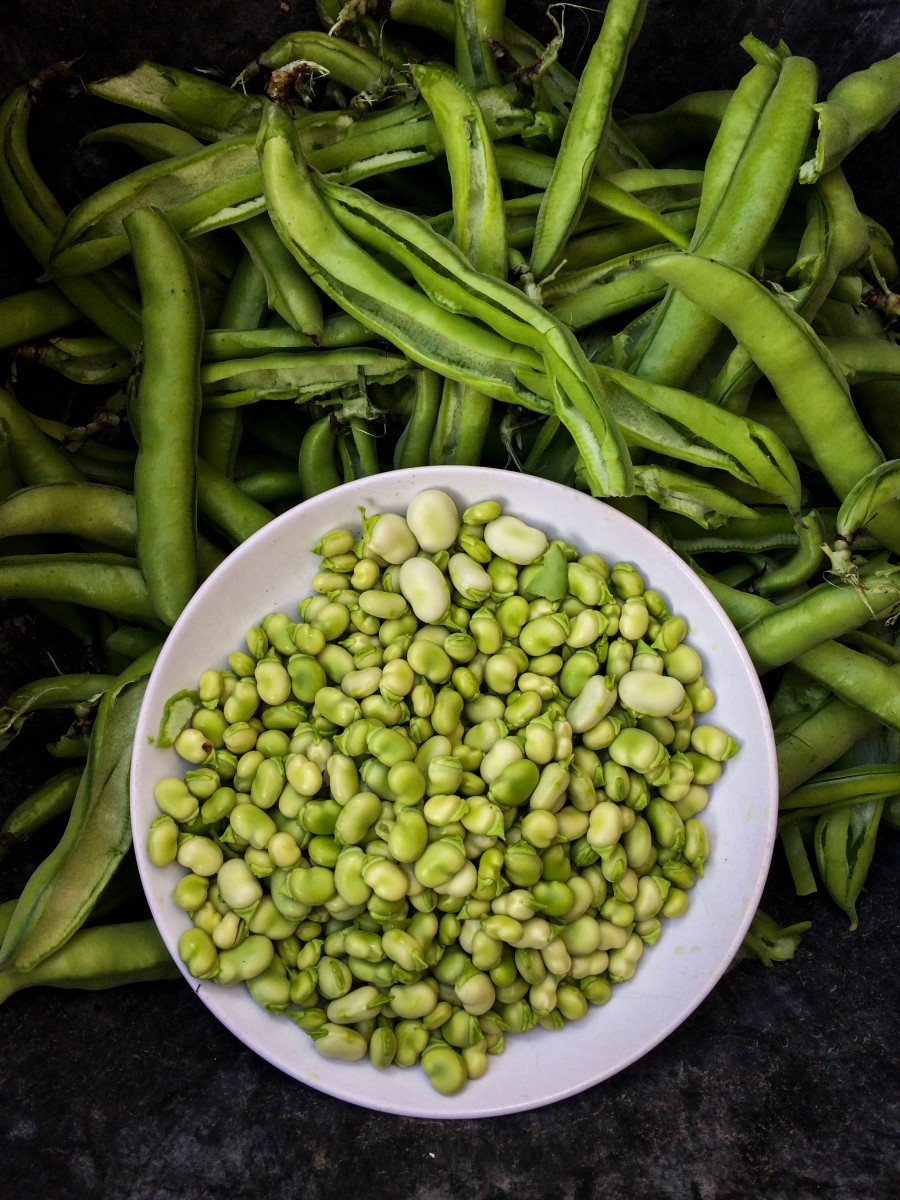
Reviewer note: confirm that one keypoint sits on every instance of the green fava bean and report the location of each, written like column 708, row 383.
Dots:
column 445, row 1068
column 311, row 885
column 356, row 818
column 336, row 707
column 388, row 881
column 390, row 746
column 514, row 784
column 273, row 683
column 271, row 988
column 199, row 854
column 440, row 861
column 173, row 797
column 307, row 676
column 649, row 694
column 250, row 824
column 638, row 750
column 238, row 887
column 348, row 876
column 339, row 1042
column 197, row 951
column 412, row 1038
column 268, row 783
column 606, row 825
column 245, row 961
column 713, row 742
column 597, row 697
column 191, row 892
column 448, row 707
column 382, row 1046
column 668, row 828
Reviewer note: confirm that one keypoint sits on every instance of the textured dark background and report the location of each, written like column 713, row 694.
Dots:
column 783, row 1084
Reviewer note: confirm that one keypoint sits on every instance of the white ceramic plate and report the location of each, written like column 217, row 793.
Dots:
column 272, row 572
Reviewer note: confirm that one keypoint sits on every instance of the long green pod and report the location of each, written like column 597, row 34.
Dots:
column 317, row 468
column 806, row 560
column 861, row 505
column 695, row 117
column 153, row 140
column 865, row 500
column 586, row 251
column 107, row 582
column 36, row 215
column 660, row 187
column 836, row 237
column 676, row 491
column 296, row 377
column 101, row 957
column 290, row 290
column 567, row 190
column 444, row 341
column 340, row 331
column 413, row 447
column 797, row 365
column 628, row 287
column 442, row 271
column 479, row 229
column 477, row 24
column 194, row 191
column 833, row 787
column 34, row 314
column 95, row 512
column 760, row 455
column 819, row 740
column 189, row 101
column 270, row 487
column 60, row 894
column 856, row 678
column 844, row 242
column 865, row 358
column 88, row 361
column 522, row 165
column 221, row 502
column 79, row 692
column 823, row 613
column 168, row 404
column 738, row 121
column 643, row 426
column 56, row 691
column 596, row 279
column 477, row 198
column 770, row 529
column 352, row 66
column 857, row 105
column 844, row 842
column 739, row 226
column 51, row 799
column 34, row 456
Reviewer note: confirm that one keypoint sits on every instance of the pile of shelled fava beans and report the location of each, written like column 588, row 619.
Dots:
column 454, row 800
column 414, row 237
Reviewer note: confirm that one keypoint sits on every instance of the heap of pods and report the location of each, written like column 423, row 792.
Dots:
column 454, row 800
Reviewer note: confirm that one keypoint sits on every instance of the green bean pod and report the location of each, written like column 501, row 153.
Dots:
column 567, row 190
column 62, row 891
column 793, row 358
column 169, row 405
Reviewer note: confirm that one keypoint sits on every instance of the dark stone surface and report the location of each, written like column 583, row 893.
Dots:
column 783, row 1084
